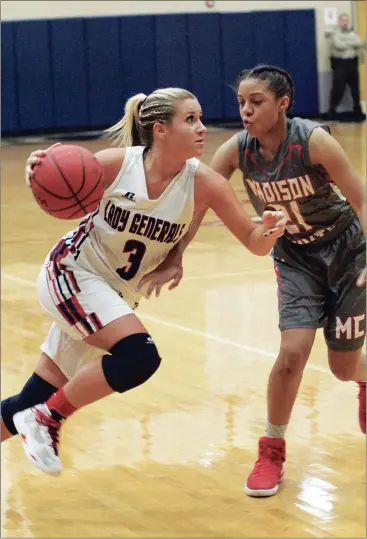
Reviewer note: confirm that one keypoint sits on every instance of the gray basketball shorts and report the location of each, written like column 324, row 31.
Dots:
column 317, row 287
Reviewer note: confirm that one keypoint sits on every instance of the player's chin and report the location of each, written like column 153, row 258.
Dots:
column 199, row 148
column 254, row 130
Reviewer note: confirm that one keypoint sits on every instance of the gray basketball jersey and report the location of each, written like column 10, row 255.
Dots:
column 304, row 192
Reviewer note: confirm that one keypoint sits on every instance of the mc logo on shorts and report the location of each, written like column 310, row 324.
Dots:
column 352, row 327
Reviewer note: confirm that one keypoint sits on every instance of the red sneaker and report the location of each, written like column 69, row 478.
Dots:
column 362, row 406
column 268, row 470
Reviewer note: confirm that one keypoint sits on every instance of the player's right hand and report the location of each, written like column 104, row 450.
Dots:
column 275, row 223
column 167, row 272
column 33, row 160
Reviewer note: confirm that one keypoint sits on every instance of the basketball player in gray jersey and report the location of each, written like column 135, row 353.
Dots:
column 315, row 209
column 296, row 165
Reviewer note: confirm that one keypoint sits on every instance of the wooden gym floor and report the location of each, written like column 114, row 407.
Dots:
column 170, row 458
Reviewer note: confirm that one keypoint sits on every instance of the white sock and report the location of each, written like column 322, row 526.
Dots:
column 275, row 431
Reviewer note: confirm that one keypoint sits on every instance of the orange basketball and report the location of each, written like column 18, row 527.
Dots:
column 67, row 183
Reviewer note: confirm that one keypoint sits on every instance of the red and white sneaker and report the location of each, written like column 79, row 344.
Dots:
column 362, row 406
column 40, row 435
column 269, row 468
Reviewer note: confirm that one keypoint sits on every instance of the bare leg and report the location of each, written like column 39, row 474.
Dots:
column 348, row 365
column 286, row 374
column 89, row 384
column 284, row 382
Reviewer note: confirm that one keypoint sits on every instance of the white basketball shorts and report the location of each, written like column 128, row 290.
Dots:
column 80, row 304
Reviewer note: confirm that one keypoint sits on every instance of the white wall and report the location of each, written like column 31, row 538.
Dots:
column 20, row 10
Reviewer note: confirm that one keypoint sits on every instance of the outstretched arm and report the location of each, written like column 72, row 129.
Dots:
column 212, row 190
column 225, row 162
column 216, row 193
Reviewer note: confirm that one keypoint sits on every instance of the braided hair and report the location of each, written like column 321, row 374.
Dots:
column 279, row 81
column 142, row 112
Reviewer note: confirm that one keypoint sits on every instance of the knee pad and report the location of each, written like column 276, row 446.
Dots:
column 35, row 391
column 132, row 362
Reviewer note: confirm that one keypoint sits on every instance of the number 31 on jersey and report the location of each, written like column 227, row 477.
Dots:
column 293, row 213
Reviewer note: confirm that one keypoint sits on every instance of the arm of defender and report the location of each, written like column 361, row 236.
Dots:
column 225, row 162
column 326, row 151
column 216, row 193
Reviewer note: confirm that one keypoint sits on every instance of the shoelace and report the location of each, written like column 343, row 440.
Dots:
column 274, row 454
column 53, row 428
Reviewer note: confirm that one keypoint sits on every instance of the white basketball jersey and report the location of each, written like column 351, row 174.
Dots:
column 128, row 235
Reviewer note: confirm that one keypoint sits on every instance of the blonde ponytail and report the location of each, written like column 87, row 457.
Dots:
column 125, row 132
column 142, row 112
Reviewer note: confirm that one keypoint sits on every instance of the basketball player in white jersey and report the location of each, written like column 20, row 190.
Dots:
column 154, row 186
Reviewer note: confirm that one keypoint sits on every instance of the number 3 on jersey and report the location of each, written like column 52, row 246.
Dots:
column 137, row 251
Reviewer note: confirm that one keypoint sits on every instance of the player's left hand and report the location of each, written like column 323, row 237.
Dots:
column 167, row 272
column 274, row 223
column 361, row 281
